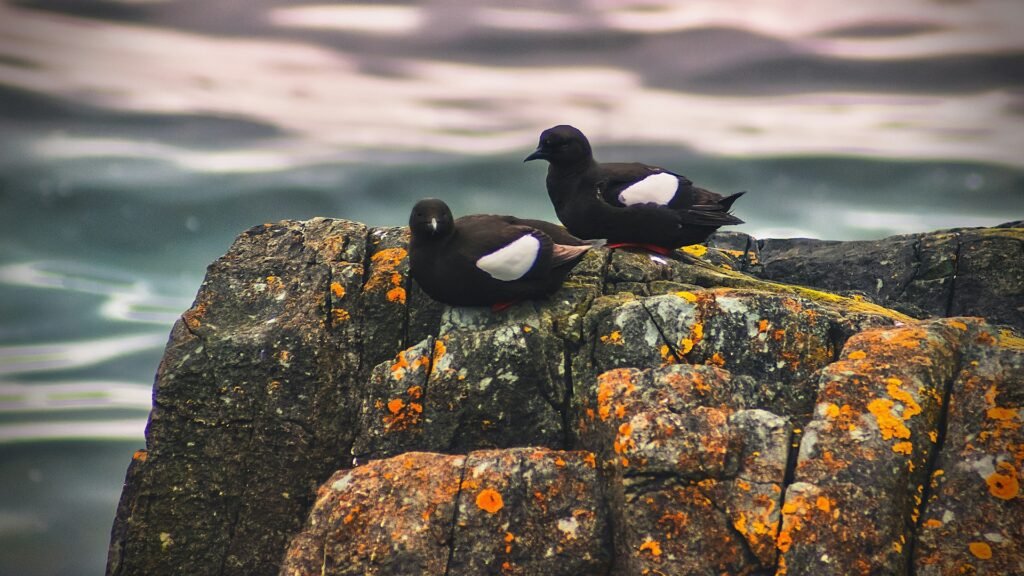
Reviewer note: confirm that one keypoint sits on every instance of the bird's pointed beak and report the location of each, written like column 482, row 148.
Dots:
column 537, row 154
column 433, row 224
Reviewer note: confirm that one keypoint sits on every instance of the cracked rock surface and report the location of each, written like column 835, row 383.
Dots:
column 316, row 413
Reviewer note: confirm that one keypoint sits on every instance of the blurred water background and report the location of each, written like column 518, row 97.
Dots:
column 138, row 137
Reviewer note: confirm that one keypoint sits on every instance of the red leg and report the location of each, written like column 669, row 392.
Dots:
column 502, row 306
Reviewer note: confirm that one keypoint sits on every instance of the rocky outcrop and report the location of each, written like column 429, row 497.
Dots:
column 315, row 413
column 960, row 272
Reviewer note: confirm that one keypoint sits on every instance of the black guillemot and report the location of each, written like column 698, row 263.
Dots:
column 629, row 204
column 483, row 259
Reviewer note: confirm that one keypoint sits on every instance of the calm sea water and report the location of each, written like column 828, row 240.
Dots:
column 138, row 137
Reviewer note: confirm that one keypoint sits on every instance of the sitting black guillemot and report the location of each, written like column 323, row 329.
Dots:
column 629, row 204
column 484, row 259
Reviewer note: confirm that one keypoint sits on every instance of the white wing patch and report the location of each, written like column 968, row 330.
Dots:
column 657, row 188
column 512, row 261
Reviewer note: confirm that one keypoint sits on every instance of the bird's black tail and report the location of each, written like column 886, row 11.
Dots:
column 726, row 203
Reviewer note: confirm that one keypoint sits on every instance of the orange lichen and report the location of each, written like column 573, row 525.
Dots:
column 831, row 410
column 999, row 413
column 857, row 355
column 623, row 441
column 980, row 550
column 717, row 359
column 439, row 350
column 400, row 365
column 615, row 338
column 340, row 315
column 337, row 290
column 784, row 541
column 274, row 284
column 958, row 325
column 351, row 515
column 607, row 384
column 890, row 425
column 932, row 523
column 389, row 256
column 782, row 569
column 667, row 357
column 990, row 395
column 397, row 294
column 762, row 326
column 395, row 406
column 509, row 537
column 903, row 448
column 383, row 267
column 688, row 296
column 1003, row 484
column 685, row 345
column 823, row 504
column 590, row 460
column 697, row 250
column 651, row 546
column 559, row 462
column 911, row 407
column 140, row 455
column 740, row 524
column 193, row 318
column 489, row 501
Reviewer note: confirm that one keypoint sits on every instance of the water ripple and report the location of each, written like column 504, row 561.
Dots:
column 123, row 429
column 45, row 357
column 127, row 298
column 72, row 395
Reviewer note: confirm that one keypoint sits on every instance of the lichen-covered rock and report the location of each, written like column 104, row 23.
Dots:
column 961, row 272
column 779, row 340
column 391, row 419
column 530, row 511
column 518, row 511
column 862, row 460
column 688, row 384
column 695, row 479
column 972, row 523
column 253, row 399
column 390, row 517
column 496, row 387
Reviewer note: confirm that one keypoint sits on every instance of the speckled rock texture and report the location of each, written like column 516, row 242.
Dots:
column 958, row 272
column 316, row 413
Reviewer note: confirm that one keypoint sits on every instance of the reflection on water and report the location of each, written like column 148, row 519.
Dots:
column 139, row 137
column 61, row 356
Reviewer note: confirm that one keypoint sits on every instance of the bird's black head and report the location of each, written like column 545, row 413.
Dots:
column 562, row 145
column 431, row 218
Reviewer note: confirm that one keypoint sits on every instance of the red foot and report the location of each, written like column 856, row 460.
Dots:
column 501, row 306
column 649, row 247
